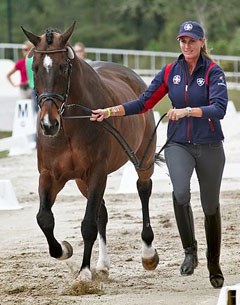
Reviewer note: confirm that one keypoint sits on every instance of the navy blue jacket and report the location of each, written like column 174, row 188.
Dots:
column 204, row 89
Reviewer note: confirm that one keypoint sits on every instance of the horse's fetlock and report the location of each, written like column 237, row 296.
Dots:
column 147, row 235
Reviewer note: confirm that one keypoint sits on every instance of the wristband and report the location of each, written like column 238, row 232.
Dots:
column 189, row 111
column 108, row 113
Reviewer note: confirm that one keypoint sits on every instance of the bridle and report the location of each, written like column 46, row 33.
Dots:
column 53, row 97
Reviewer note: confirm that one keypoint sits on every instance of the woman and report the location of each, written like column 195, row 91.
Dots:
column 198, row 92
column 80, row 51
column 25, row 91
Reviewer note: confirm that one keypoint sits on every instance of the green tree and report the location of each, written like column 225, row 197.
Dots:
column 135, row 24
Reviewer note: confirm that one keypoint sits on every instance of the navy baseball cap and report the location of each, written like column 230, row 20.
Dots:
column 191, row 29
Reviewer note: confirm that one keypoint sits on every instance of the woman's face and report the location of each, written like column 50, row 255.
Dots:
column 191, row 47
column 25, row 49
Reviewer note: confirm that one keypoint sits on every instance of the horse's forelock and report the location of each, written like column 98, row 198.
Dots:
column 50, row 33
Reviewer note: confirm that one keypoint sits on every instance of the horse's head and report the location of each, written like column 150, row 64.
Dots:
column 52, row 63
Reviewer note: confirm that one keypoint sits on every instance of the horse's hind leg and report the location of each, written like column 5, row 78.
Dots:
column 150, row 257
column 103, row 259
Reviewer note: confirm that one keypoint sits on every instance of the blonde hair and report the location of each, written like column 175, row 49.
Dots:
column 28, row 44
column 80, row 45
column 205, row 51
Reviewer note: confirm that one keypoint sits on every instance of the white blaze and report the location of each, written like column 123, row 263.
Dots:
column 47, row 62
column 46, row 120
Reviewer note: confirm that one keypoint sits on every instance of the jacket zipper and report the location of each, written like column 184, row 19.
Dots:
column 188, row 119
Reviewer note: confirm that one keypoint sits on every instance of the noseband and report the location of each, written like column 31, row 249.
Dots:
column 53, row 97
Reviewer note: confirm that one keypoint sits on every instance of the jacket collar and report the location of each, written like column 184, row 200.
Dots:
column 201, row 60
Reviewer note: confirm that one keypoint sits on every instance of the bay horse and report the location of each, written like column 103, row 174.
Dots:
column 82, row 150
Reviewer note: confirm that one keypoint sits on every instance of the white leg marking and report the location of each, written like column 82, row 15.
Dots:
column 85, row 275
column 47, row 63
column 147, row 252
column 103, row 259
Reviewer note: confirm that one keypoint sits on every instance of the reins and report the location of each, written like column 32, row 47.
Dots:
column 65, row 117
column 111, row 129
column 169, row 139
column 121, row 140
column 126, row 147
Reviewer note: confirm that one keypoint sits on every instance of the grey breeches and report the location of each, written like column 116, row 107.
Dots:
column 208, row 160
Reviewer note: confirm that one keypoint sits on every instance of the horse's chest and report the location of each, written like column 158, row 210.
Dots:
column 67, row 165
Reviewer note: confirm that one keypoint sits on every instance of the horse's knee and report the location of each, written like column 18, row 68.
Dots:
column 144, row 187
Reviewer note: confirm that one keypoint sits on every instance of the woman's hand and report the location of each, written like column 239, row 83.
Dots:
column 100, row 114
column 176, row 114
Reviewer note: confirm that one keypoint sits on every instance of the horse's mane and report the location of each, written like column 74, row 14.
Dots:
column 49, row 34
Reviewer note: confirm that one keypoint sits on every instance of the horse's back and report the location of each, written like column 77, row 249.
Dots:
column 110, row 71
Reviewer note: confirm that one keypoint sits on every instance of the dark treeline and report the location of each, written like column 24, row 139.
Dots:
column 135, row 24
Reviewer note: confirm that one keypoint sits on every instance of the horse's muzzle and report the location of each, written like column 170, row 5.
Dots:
column 50, row 128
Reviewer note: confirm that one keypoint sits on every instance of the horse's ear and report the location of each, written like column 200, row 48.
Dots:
column 32, row 37
column 70, row 52
column 67, row 34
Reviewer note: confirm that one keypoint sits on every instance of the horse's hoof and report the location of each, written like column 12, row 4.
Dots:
column 67, row 250
column 150, row 263
column 85, row 275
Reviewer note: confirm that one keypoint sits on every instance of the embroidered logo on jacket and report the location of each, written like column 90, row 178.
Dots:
column 200, row 82
column 222, row 81
column 176, row 79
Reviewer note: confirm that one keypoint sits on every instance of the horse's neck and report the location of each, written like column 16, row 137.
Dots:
column 85, row 84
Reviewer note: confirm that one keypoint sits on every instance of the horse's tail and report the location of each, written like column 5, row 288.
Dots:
column 159, row 159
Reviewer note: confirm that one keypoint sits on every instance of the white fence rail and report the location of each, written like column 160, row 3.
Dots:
column 145, row 63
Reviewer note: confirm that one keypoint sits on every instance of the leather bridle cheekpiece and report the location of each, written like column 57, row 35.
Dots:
column 53, row 97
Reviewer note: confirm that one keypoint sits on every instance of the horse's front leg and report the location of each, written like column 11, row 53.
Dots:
column 48, row 190
column 150, row 258
column 89, row 227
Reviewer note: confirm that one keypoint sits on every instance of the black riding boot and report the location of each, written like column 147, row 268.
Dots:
column 184, row 218
column 213, row 235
